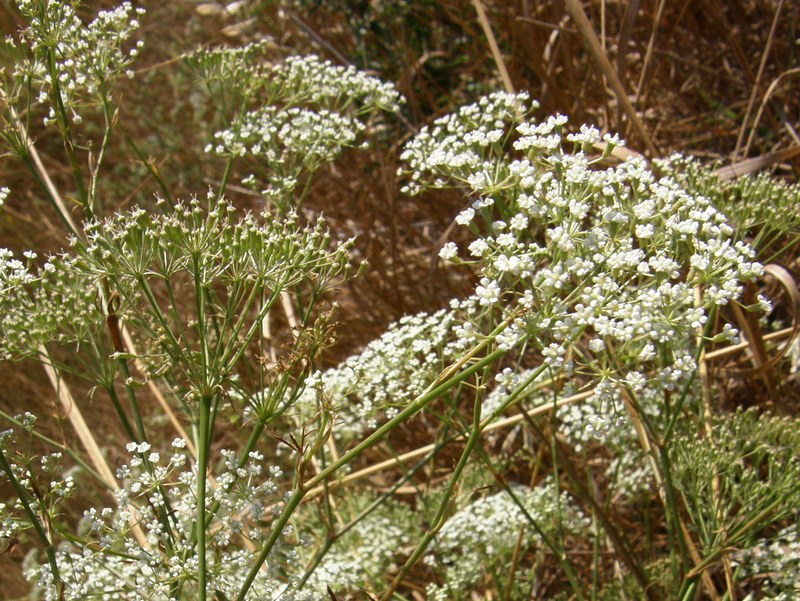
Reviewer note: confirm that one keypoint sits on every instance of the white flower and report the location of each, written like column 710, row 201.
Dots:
column 466, row 216
column 478, row 248
column 448, row 251
column 488, row 292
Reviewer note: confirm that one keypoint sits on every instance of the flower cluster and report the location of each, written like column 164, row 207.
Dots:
column 389, row 373
column 51, row 304
column 483, row 534
column 144, row 547
column 777, row 561
column 362, row 554
column 755, row 202
column 74, row 60
column 158, row 497
column 307, row 110
column 606, row 261
column 154, row 262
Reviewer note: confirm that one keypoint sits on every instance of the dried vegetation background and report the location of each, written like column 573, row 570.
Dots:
column 709, row 78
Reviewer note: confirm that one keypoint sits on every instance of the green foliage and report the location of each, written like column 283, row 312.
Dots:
column 740, row 479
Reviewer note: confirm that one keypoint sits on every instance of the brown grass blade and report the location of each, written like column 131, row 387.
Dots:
column 641, row 91
column 764, row 365
column 73, row 413
column 759, row 74
column 498, row 58
column 756, row 163
column 593, row 44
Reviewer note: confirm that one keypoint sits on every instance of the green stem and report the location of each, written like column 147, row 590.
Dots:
column 620, row 542
column 66, row 131
column 162, row 320
column 688, row 386
column 559, row 552
column 200, row 308
column 112, row 393
column 436, row 390
column 369, row 509
column 151, row 167
column 109, row 126
column 22, row 495
column 225, row 177
column 673, row 512
column 202, row 465
column 443, row 513
column 134, row 403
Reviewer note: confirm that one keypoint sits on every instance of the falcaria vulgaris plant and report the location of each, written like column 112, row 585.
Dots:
column 598, row 289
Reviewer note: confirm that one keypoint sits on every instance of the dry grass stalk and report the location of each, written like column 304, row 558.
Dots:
column 767, row 95
column 73, row 413
column 641, row 91
column 750, row 328
column 593, row 44
column 498, row 58
column 759, row 75
column 758, row 163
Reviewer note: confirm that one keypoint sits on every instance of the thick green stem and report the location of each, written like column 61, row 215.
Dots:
column 225, row 177
column 134, row 403
column 109, row 126
column 112, row 393
column 202, row 465
column 673, row 511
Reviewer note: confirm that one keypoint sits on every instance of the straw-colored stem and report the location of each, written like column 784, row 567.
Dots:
column 88, row 441
column 595, row 49
column 761, row 66
column 490, row 37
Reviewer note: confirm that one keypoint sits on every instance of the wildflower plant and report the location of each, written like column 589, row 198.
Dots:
column 181, row 290
column 306, row 112
column 602, row 262
column 607, row 275
column 594, row 279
